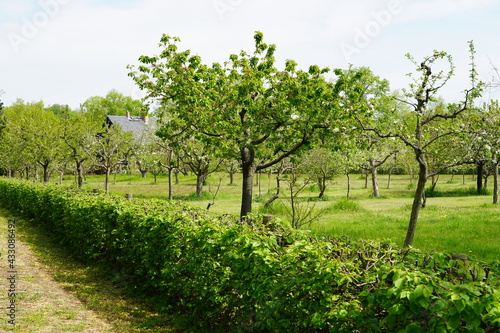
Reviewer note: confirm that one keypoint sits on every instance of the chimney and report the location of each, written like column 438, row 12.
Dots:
column 146, row 119
column 128, row 115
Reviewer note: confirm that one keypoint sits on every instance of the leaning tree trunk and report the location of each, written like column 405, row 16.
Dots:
column 417, row 201
column 277, row 194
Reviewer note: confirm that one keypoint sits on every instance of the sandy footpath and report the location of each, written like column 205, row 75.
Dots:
column 30, row 300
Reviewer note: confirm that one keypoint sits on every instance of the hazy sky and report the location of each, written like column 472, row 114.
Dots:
column 65, row 51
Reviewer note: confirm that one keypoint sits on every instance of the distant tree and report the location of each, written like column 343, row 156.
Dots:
column 483, row 142
column 38, row 132
column 232, row 167
column 107, row 150
column 256, row 112
column 319, row 165
column 377, row 151
column 79, row 131
column 199, row 157
column 114, row 103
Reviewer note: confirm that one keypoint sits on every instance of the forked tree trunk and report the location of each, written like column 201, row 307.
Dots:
column 46, row 172
column 417, row 201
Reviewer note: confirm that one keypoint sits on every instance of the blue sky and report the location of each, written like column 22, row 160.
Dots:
column 65, row 51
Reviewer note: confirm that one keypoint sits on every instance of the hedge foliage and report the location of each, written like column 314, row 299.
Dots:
column 221, row 275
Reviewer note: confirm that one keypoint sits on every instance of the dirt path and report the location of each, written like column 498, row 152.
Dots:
column 40, row 303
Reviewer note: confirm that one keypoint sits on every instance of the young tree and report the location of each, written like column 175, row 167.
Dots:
column 78, row 131
column 320, row 165
column 254, row 111
column 108, row 149
column 198, row 156
column 424, row 127
column 483, row 142
column 232, row 167
column 376, row 151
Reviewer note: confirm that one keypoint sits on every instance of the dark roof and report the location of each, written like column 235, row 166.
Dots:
column 136, row 125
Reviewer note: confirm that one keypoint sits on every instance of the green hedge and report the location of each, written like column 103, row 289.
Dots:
column 220, row 275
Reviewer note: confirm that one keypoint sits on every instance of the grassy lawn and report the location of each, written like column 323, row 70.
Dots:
column 467, row 224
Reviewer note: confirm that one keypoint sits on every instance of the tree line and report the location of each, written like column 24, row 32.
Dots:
column 249, row 115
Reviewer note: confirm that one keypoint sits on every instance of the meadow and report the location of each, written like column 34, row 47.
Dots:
column 454, row 219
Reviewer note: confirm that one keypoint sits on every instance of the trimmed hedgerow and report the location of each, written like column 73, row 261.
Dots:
column 218, row 274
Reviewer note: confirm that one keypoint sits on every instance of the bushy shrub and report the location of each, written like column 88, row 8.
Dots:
column 348, row 205
column 221, row 275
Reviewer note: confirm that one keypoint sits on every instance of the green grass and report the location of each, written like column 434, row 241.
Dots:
column 456, row 219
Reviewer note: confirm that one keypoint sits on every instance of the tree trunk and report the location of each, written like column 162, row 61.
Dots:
column 106, row 181
column 277, row 194
column 495, row 184
column 389, row 179
column 200, row 180
column 143, row 173
column 376, row 192
column 170, row 196
column 417, row 201
column 46, row 173
column 348, row 185
column 322, row 186
column 79, row 171
column 61, row 175
column 247, row 158
column 231, row 178
column 434, row 182
column 366, row 180
column 479, row 178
